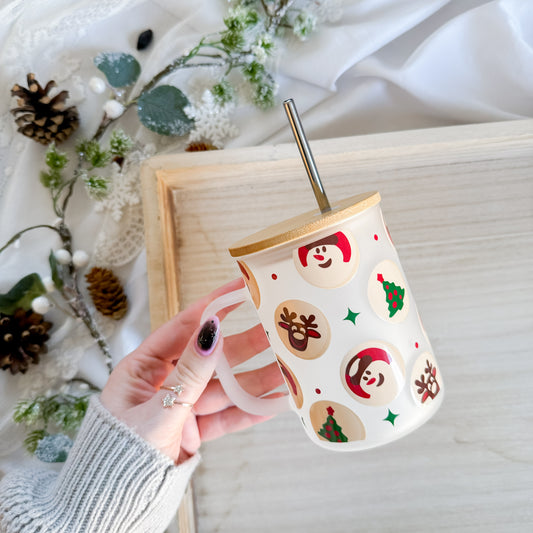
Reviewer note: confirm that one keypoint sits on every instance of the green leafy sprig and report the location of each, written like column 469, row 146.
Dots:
column 247, row 40
column 251, row 33
column 92, row 156
column 64, row 412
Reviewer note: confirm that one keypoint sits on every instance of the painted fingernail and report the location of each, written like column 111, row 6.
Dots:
column 208, row 336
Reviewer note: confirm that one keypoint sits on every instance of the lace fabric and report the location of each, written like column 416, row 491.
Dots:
column 32, row 28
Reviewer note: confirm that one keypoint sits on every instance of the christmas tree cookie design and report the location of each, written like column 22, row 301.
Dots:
column 387, row 292
column 336, row 423
column 331, row 430
column 394, row 295
column 328, row 262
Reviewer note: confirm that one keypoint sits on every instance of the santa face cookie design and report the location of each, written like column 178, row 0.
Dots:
column 328, row 262
column 373, row 373
column 303, row 329
column 251, row 283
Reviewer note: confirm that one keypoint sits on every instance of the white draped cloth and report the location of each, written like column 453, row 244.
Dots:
column 383, row 65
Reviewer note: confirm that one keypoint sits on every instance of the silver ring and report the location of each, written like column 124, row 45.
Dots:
column 176, row 389
column 169, row 400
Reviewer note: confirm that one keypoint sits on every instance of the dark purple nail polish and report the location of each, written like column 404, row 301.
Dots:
column 208, row 336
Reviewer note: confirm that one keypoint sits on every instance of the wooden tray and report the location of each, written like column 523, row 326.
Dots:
column 449, row 194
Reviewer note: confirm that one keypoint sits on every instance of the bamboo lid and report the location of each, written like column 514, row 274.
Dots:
column 304, row 225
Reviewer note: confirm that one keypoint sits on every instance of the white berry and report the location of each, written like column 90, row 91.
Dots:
column 41, row 305
column 63, row 256
column 97, row 85
column 48, row 283
column 80, row 258
column 113, row 109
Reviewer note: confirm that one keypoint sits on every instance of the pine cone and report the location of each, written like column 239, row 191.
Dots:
column 200, row 147
column 22, row 340
column 40, row 117
column 107, row 293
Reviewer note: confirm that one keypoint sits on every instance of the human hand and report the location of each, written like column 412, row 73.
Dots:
column 183, row 352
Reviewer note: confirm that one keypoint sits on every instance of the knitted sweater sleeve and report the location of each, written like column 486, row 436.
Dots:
column 112, row 481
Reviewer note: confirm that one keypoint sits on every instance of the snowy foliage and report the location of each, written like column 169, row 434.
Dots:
column 212, row 120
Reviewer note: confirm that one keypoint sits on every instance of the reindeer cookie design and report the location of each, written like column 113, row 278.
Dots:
column 302, row 328
column 328, row 262
column 425, row 378
column 251, row 283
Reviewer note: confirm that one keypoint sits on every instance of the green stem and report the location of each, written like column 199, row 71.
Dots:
column 76, row 302
column 70, row 189
column 104, row 123
column 60, row 212
column 175, row 65
column 85, row 382
column 20, row 233
column 279, row 13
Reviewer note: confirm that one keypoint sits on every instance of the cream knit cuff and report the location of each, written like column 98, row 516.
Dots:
column 113, row 482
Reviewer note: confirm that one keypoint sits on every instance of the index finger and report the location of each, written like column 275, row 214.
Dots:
column 169, row 340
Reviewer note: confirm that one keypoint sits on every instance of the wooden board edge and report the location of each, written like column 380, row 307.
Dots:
column 154, row 245
column 467, row 134
column 170, row 249
column 163, row 304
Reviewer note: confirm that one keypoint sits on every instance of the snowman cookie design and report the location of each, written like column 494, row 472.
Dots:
column 328, row 262
column 373, row 373
column 303, row 329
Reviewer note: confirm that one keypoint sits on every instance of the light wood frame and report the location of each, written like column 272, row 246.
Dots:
column 163, row 175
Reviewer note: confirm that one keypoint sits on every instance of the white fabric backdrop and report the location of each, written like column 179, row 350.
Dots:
column 384, row 65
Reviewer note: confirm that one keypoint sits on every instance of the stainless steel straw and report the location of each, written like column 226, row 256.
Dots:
column 307, row 156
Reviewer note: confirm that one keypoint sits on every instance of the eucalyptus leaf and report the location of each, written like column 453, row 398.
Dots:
column 54, row 268
column 162, row 110
column 22, row 294
column 119, row 68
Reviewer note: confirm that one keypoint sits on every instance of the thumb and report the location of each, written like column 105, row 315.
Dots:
column 167, row 411
column 197, row 363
